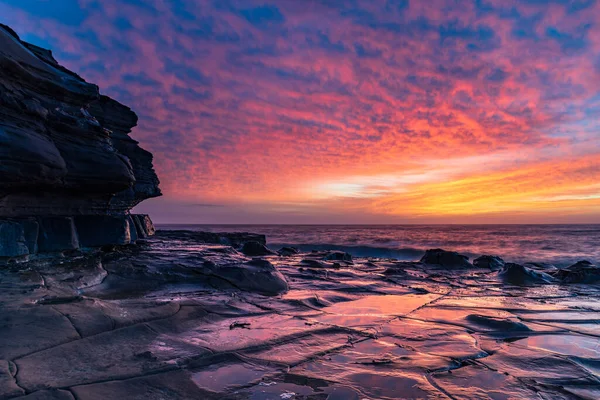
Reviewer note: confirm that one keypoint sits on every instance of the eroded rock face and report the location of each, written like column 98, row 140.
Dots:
column 68, row 169
column 64, row 147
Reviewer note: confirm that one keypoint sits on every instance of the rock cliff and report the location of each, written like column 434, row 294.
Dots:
column 69, row 172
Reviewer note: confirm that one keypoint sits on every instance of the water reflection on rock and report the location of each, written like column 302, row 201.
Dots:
column 177, row 318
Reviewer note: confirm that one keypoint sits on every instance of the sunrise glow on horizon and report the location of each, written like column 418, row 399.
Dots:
column 474, row 111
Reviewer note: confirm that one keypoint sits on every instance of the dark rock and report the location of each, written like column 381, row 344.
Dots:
column 236, row 324
column 31, row 233
column 10, row 31
column 494, row 263
column 339, row 256
column 544, row 267
column 288, row 251
column 32, row 330
column 394, row 271
column 450, row 259
column 255, row 249
column 120, row 119
column 519, row 275
column 64, row 150
column 497, row 324
column 312, row 263
column 581, row 264
column 8, row 386
column 55, row 155
column 147, row 224
column 51, row 394
column 143, row 225
column 57, row 234
column 233, row 239
column 133, row 235
column 58, row 300
column 12, row 240
column 258, row 276
column 103, row 230
column 580, row 272
column 174, row 385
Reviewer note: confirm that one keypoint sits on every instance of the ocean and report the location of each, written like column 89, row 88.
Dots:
column 560, row 245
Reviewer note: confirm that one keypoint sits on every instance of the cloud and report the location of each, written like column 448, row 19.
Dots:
column 253, row 101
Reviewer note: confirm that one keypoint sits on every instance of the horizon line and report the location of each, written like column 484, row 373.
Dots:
column 374, row 224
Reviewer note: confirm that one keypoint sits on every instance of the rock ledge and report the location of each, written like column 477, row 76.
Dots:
column 69, row 172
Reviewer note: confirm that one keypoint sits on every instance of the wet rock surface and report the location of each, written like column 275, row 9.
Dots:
column 180, row 318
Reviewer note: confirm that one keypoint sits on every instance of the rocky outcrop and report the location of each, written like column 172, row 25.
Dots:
column 233, row 239
column 21, row 238
column 69, row 172
column 448, row 259
column 257, row 275
column 255, row 249
column 580, row 272
column 288, row 251
column 493, row 263
column 339, row 256
column 516, row 274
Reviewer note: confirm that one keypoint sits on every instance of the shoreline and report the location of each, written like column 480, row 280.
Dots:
column 559, row 245
column 222, row 316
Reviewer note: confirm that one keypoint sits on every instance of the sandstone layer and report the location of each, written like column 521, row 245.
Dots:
column 69, row 172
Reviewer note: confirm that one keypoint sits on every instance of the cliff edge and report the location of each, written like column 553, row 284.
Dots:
column 69, row 172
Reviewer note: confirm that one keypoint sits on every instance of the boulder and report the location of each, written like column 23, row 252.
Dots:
column 255, row 249
column 516, row 274
column 448, row 259
column 257, row 275
column 339, row 256
column 288, row 251
column 580, row 272
column 493, row 263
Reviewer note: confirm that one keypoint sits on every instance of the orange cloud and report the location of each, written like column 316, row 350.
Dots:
column 403, row 109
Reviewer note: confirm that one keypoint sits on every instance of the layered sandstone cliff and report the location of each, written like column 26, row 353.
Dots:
column 69, row 172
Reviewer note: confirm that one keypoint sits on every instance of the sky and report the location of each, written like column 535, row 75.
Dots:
column 347, row 111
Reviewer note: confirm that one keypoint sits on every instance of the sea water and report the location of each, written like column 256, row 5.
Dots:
column 560, row 245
